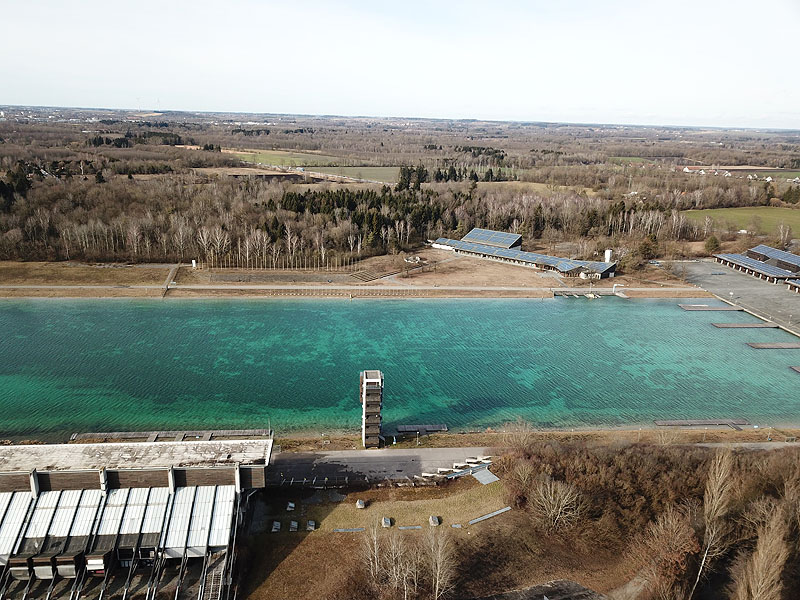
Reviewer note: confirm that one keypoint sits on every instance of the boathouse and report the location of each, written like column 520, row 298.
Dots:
column 504, row 247
column 764, row 262
column 122, row 509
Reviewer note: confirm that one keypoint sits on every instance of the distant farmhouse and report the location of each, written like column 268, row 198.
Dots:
column 505, row 247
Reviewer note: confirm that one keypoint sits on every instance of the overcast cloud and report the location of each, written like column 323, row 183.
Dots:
column 699, row 62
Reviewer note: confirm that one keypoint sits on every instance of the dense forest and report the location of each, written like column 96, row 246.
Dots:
column 119, row 188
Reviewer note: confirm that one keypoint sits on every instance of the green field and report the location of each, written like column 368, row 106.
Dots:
column 383, row 174
column 744, row 218
column 545, row 189
column 778, row 176
column 285, row 158
column 628, row 159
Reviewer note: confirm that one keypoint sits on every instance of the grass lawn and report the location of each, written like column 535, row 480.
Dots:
column 627, row 159
column 459, row 502
column 285, row 158
column 778, row 176
column 384, row 174
column 769, row 217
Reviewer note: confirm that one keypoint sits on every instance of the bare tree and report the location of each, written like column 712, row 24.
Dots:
column 757, row 576
column 395, row 561
column 518, row 435
column 716, row 505
column 784, row 234
column 371, row 552
column 555, row 504
column 664, row 551
column 441, row 562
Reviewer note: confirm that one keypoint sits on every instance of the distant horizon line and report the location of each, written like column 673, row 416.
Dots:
column 409, row 118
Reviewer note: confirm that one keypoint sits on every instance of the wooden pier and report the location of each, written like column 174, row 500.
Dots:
column 745, row 325
column 736, row 424
column 692, row 307
column 172, row 436
column 775, row 345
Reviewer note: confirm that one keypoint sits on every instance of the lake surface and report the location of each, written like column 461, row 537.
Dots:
column 109, row 365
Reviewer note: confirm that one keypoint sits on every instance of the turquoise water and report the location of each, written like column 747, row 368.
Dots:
column 106, row 365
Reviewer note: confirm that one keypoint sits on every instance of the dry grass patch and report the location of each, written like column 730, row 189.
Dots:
column 65, row 273
column 466, row 500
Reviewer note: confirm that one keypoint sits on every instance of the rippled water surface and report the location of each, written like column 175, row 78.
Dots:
column 107, row 365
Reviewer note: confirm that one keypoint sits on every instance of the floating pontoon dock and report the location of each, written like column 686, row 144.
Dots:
column 746, row 325
column 707, row 307
column 775, row 345
column 421, row 428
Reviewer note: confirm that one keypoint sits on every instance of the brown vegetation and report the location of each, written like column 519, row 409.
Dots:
column 77, row 189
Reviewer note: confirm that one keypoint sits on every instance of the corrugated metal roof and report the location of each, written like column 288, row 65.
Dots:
column 490, row 237
column 86, row 513
column 113, row 511
column 134, row 511
column 5, row 500
column 769, row 251
column 13, row 521
column 179, row 520
column 755, row 265
column 42, row 515
column 201, row 517
column 62, row 520
column 156, row 507
column 563, row 265
column 223, row 514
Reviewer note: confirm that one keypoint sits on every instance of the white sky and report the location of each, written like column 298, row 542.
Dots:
column 679, row 62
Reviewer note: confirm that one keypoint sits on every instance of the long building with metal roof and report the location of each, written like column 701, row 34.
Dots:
column 87, row 515
column 564, row 266
column 82, row 533
column 497, row 239
column 755, row 267
column 779, row 258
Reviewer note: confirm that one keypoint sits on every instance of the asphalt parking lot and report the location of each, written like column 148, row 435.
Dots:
column 769, row 300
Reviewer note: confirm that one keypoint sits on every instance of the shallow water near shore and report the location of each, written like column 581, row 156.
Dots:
column 127, row 365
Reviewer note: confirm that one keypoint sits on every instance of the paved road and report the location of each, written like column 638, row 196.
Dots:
column 771, row 301
column 374, row 465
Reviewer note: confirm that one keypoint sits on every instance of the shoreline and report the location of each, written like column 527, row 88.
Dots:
column 646, row 431
column 354, row 293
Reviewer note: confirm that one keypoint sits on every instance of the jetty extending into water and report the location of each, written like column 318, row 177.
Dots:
column 775, row 345
column 693, row 307
column 746, row 325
